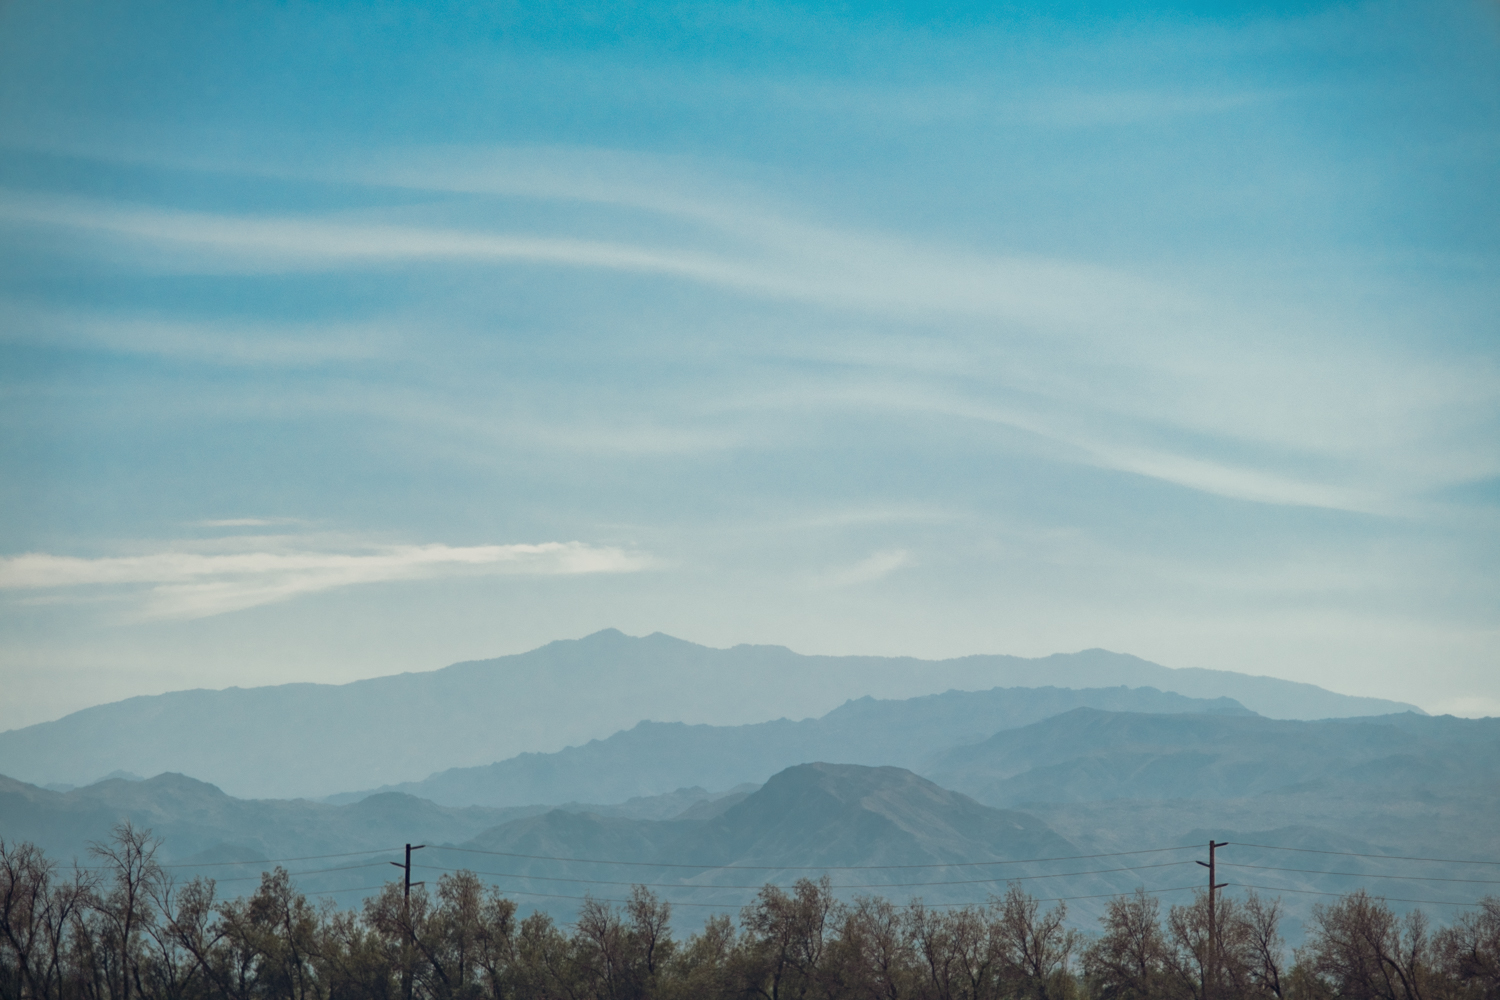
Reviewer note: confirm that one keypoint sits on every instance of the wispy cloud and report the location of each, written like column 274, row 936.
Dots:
column 789, row 261
column 220, row 342
column 1108, row 368
column 874, row 567
column 188, row 584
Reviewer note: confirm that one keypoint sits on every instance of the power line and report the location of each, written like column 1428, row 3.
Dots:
column 930, row 906
column 654, row 864
column 1351, row 854
column 277, row 861
column 812, row 868
column 1388, row 899
column 854, row 885
column 363, row 888
column 1055, row 899
column 1404, row 878
column 966, row 864
column 258, row 861
column 315, row 871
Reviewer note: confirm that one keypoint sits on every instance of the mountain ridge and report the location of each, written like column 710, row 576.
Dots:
column 1086, row 755
column 1392, row 788
column 312, row 739
column 653, row 757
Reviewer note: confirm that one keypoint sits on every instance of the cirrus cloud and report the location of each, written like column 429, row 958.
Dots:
column 187, row 584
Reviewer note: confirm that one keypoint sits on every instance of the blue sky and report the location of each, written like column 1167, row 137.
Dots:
column 347, row 339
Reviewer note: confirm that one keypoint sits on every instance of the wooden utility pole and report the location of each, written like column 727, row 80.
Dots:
column 406, row 975
column 1211, row 960
column 407, row 867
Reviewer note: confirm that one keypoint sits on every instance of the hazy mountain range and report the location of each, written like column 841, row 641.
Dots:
column 315, row 739
column 1087, row 755
column 1347, row 797
column 804, row 820
column 1070, row 758
column 655, row 757
column 720, row 849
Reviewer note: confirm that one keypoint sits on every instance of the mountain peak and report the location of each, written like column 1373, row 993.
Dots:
column 810, row 815
column 832, row 813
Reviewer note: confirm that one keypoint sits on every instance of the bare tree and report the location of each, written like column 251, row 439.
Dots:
column 872, row 957
column 1128, row 962
column 1034, row 945
column 123, row 903
column 1361, row 950
column 786, row 937
column 1264, row 946
column 36, row 910
column 1469, row 951
column 957, row 952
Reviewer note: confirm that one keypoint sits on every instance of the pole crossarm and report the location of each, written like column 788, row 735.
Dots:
column 406, row 882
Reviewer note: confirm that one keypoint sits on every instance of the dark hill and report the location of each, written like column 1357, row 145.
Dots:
column 842, row 814
column 837, row 816
column 194, row 817
column 199, row 823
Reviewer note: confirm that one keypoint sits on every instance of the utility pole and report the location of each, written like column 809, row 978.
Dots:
column 1211, row 961
column 406, row 974
column 407, row 868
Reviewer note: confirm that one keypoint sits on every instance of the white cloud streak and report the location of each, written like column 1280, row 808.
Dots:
column 1093, row 360
column 795, row 262
column 185, row 584
column 226, row 343
column 877, row 566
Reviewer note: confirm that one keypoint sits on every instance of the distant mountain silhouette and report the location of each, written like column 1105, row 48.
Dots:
column 811, row 814
column 318, row 739
column 654, row 757
column 807, row 815
column 1087, row 756
column 843, row 816
column 1085, row 782
column 195, row 817
column 199, row 822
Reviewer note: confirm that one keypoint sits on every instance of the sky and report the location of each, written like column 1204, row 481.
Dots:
column 347, row 339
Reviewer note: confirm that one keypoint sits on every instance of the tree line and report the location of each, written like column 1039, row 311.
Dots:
column 126, row 930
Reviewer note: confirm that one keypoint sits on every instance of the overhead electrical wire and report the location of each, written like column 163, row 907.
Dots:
column 363, row 888
column 954, row 864
column 1374, row 875
column 1055, row 899
column 257, row 861
column 930, row 906
column 1352, row 854
column 1388, row 899
column 316, row 871
column 867, row 886
column 809, row 868
column 854, row 885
